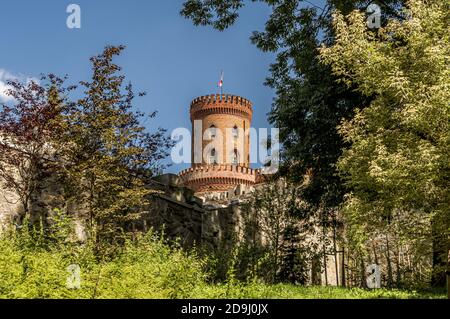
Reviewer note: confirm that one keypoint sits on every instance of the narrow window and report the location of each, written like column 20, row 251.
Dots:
column 235, row 157
column 213, row 157
column 235, row 132
column 212, row 132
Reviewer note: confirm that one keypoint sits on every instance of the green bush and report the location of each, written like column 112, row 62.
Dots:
column 146, row 268
column 149, row 268
column 34, row 265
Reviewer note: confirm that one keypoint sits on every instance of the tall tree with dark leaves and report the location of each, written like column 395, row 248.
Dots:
column 310, row 103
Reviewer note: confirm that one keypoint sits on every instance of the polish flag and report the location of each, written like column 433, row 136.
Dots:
column 221, row 80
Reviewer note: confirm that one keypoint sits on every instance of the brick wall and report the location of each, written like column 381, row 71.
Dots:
column 225, row 122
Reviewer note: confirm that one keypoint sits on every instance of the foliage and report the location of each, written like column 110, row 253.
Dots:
column 32, row 266
column 110, row 153
column 289, row 291
column 397, row 165
column 309, row 102
column 96, row 149
column 30, row 125
column 276, row 243
column 392, row 159
column 238, row 262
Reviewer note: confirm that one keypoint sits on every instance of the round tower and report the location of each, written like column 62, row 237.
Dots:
column 220, row 144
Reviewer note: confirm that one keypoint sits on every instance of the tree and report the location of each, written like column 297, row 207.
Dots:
column 110, row 153
column 29, row 136
column 398, row 158
column 310, row 102
column 278, row 220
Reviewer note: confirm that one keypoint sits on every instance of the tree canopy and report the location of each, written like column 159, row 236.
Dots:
column 399, row 151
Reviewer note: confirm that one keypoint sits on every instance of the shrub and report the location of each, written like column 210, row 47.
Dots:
column 146, row 267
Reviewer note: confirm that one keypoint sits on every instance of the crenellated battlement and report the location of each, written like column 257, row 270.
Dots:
column 221, row 99
column 221, row 104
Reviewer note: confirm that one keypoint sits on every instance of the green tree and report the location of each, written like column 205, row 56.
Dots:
column 278, row 219
column 399, row 154
column 310, row 102
column 110, row 153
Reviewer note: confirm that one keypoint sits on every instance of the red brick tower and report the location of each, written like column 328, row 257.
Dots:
column 221, row 159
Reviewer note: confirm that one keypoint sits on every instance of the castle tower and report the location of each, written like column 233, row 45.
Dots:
column 220, row 144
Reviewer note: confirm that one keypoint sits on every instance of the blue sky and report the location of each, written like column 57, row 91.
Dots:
column 166, row 55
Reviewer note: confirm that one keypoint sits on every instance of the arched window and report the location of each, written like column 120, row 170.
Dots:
column 235, row 132
column 213, row 156
column 212, row 132
column 235, row 157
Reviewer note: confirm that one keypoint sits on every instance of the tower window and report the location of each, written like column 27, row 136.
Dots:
column 235, row 132
column 212, row 132
column 213, row 156
column 235, row 157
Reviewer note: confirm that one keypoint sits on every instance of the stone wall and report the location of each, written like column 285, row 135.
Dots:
column 216, row 221
column 181, row 215
column 9, row 207
column 173, row 209
column 47, row 197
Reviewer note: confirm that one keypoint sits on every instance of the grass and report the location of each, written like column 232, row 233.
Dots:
column 284, row 291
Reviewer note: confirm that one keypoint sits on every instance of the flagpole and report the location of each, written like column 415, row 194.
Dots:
column 221, row 86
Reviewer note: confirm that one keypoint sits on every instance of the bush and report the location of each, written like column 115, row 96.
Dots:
column 145, row 268
column 35, row 265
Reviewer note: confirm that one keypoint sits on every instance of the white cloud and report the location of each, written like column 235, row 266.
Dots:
column 3, row 96
column 5, row 76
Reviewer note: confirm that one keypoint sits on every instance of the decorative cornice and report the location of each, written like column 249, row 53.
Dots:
column 218, row 176
column 221, row 168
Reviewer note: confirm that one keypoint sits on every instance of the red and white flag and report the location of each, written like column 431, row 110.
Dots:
column 221, row 80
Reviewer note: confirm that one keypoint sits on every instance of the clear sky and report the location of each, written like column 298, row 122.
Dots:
column 166, row 55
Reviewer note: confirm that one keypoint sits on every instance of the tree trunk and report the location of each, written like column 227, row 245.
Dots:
column 448, row 274
column 363, row 273
column 336, row 261
column 344, row 284
column 448, row 284
column 397, row 265
column 325, row 255
column 375, row 253
column 389, row 264
column 440, row 252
